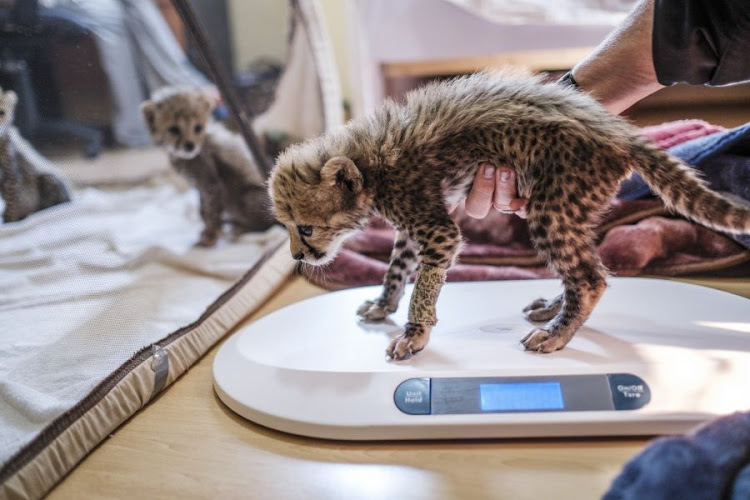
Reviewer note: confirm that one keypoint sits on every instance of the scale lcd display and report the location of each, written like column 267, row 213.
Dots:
column 520, row 396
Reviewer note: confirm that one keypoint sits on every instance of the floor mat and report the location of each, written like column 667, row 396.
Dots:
column 95, row 297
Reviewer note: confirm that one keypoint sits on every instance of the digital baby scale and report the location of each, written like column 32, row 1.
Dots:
column 655, row 357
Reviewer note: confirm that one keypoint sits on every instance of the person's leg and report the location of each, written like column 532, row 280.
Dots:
column 106, row 19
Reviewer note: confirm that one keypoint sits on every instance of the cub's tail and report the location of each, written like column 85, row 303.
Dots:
column 683, row 191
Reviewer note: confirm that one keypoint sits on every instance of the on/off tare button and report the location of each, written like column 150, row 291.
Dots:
column 413, row 396
column 629, row 392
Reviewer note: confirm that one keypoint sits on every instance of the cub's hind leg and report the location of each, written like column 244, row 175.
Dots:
column 543, row 309
column 569, row 250
column 404, row 261
column 52, row 191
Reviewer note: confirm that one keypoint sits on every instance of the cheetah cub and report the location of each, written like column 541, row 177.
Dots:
column 28, row 181
column 408, row 163
column 213, row 159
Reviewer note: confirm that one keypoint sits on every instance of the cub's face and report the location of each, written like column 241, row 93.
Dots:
column 177, row 119
column 320, row 206
column 8, row 101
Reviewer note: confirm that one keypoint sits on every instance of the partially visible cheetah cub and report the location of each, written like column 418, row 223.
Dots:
column 215, row 160
column 28, row 181
column 409, row 162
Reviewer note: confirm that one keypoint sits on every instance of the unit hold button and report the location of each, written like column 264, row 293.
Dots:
column 413, row 396
column 629, row 392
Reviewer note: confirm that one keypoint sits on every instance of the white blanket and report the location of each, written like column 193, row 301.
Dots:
column 83, row 286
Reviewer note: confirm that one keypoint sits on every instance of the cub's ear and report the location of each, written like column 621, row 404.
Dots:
column 341, row 171
column 207, row 103
column 10, row 97
column 148, row 111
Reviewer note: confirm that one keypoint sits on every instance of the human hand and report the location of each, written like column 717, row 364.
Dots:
column 494, row 188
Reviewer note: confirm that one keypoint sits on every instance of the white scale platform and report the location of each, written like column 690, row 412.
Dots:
column 314, row 369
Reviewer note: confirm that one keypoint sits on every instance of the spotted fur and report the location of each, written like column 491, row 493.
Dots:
column 215, row 160
column 409, row 162
column 28, row 181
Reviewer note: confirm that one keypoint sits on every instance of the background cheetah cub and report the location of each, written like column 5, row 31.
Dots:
column 28, row 181
column 215, row 161
column 408, row 163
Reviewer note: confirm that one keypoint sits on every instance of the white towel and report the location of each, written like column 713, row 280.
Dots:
column 85, row 285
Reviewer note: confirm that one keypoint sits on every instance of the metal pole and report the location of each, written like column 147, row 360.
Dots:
column 221, row 77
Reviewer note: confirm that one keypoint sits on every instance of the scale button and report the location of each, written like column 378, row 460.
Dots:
column 413, row 396
column 629, row 392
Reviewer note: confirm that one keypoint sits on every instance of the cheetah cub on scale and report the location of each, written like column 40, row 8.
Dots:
column 409, row 162
column 215, row 161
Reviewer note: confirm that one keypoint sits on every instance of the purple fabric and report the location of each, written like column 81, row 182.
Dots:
column 724, row 160
column 712, row 462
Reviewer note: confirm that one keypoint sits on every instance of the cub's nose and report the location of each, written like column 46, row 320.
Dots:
column 298, row 256
column 189, row 146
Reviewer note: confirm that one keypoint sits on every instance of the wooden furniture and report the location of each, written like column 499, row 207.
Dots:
column 187, row 444
column 394, row 40
column 532, row 60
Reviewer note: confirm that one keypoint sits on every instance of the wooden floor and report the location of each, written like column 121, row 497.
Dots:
column 186, row 444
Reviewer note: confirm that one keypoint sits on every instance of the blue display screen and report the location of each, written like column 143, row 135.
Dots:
column 519, row 396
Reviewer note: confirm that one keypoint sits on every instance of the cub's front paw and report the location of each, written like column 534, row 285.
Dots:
column 413, row 340
column 372, row 310
column 541, row 340
column 207, row 240
column 543, row 309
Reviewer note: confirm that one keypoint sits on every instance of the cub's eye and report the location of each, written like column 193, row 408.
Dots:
column 305, row 230
column 174, row 130
column 2, row 112
column 198, row 128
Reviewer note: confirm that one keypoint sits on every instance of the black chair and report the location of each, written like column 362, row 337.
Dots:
column 26, row 29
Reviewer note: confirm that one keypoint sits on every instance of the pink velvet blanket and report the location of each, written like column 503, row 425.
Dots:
column 636, row 237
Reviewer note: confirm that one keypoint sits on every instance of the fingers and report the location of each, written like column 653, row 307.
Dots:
column 506, row 193
column 494, row 187
column 521, row 212
column 518, row 207
column 480, row 198
column 505, row 189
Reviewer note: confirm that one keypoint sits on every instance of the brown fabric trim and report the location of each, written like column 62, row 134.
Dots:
column 531, row 260
column 710, row 266
column 61, row 455
column 26, row 454
column 632, row 218
column 674, row 270
column 699, row 267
